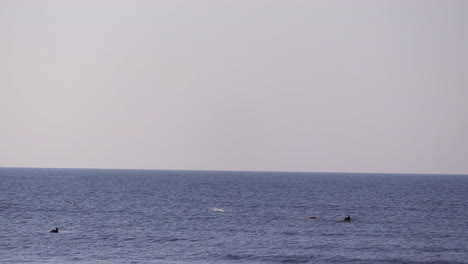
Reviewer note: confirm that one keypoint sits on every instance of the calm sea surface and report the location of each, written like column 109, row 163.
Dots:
column 136, row 216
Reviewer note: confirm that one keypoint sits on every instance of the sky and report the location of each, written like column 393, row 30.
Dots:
column 269, row 85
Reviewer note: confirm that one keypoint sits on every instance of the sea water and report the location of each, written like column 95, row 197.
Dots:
column 156, row 216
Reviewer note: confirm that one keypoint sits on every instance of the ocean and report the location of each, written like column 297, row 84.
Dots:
column 162, row 216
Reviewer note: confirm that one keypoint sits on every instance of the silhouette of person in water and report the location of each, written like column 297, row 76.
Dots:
column 347, row 218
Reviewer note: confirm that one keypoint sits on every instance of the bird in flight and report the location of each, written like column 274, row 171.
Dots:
column 74, row 203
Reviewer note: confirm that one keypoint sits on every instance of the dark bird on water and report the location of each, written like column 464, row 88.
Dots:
column 54, row 230
column 74, row 203
column 347, row 218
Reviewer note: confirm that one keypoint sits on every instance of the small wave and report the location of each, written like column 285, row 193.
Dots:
column 170, row 239
column 307, row 217
column 238, row 257
column 221, row 210
column 329, row 234
column 290, row 233
column 299, row 206
column 340, row 259
column 289, row 258
column 271, row 258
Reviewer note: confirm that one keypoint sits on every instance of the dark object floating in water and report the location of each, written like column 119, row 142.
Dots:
column 347, row 218
column 74, row 203
column 54, row 230
column 312, row 217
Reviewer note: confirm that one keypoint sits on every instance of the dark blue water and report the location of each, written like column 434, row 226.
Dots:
column 132, row 216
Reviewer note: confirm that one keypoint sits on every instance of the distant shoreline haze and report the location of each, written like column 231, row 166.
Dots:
column 242, row 171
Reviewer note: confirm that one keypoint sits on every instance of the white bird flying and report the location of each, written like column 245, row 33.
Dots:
column 74, row 203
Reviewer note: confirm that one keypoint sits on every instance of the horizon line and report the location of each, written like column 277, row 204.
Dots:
column 214, row 170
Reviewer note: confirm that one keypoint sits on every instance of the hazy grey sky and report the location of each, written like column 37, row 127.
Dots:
column 343, row 86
